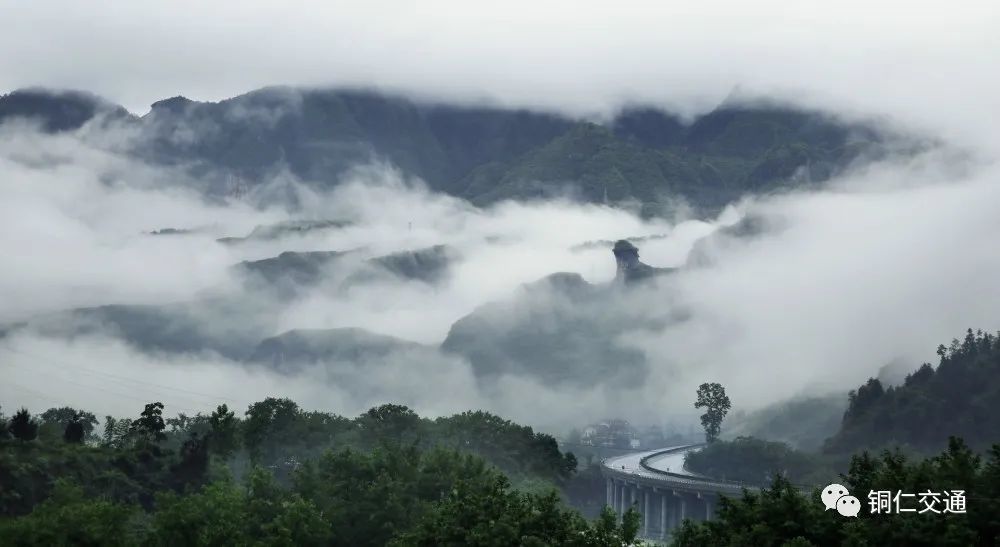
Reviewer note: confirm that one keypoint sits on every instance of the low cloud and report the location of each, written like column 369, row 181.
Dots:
column 827, row 287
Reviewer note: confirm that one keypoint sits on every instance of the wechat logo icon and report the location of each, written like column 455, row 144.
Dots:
column 836, row 496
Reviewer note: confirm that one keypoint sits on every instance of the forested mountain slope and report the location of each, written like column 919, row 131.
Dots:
column 959, row 397
column 484, row 154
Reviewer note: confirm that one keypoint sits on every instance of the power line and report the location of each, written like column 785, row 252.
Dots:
column 126, row 386
column 33, row 391
column 71, row 368
column 54, row 363
column 99, row 388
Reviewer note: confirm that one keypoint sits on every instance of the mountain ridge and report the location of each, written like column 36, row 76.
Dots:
column 484, row 154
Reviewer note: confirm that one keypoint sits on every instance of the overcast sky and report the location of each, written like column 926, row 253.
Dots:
column 883, row 265
column 927, row 64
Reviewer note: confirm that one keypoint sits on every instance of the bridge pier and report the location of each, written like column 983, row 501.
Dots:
column 645, row 512
column 616, row 500
column 673, row 496
column 663, row 516
column 623, row 493
column 680, row 511
column 673, row 506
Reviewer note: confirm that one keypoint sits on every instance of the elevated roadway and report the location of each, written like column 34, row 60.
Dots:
column 658, row 486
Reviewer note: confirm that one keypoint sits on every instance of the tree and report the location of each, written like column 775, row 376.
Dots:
column 23, row 427
column 495, row 514
column 756, row 461
column 223, row 513
column 785, row 515
column 54, row 421
column 957, row 397
column 150, row 424
column 511, row 447
column 69, row 518
column 3, row 428
column 269, row 425
column 390, row 422
column 224, row 431
column 116, row 431
column 213, row 516
column 75, row 430
column 194, row 461
column 712, row 397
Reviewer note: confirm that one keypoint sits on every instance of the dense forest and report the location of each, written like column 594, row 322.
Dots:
column 280, row 475
column 642, row 156
column 785, row 515
column 959, row 398
column 909, row 423
column 755, row 461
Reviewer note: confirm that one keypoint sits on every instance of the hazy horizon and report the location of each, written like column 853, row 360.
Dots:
column 878, row 266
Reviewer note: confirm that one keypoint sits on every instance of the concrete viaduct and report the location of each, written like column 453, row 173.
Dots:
column 656, row 484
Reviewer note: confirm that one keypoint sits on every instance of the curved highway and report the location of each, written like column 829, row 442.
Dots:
column 656, row 484
column 665, row 467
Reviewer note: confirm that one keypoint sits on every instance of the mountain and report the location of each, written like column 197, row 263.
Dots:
column 351, row 346
column 630, row 269
column 429, row 265
column 281, row 229
column 292, row 270
column 208, row 326
column 803, row 422
column 56, row 111
column 958, row 397
column 484, row 154
column 560, row 330
column 193, row 327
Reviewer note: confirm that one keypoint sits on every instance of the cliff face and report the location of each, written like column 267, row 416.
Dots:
column 630, row 268
column 561, row 329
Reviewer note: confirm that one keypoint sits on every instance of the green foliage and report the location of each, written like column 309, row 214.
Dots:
column 271, row 418
column 514, row 448
column 54, row 422
column 804, row 423
column 712, row 397
column 223, row 513
column 784, row 515
column 756, row 461
column 150, row 425
column 193, row 464
column 69, row 518
column 22, row 426
column 494, row 514
column 3, row 427
column 28, row 471
column 652, row 160
column 390, row 422
column 410, row 481
column 369, row 498
column 643, row 155
column 74, row 432
column 313, row 487
column 959, row 397
column 224, row 432
column 116, row 431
